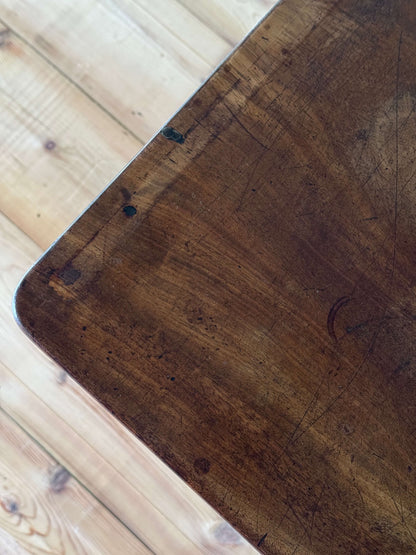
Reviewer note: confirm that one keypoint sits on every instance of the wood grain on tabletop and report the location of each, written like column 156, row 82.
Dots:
column 64, row 134
column 89, row 442
column 242, row 298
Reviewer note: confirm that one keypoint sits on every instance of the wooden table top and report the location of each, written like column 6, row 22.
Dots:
column 242, row 297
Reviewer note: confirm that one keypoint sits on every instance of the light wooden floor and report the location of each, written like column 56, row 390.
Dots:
column 83, row 84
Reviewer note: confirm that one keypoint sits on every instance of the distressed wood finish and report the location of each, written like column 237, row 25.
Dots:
column 63, row 137
column 243, row 299
column 116, row 468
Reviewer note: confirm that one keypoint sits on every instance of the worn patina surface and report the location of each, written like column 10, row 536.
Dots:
column 242, row 297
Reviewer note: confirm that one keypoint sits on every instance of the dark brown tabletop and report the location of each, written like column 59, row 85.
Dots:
column 243, row 296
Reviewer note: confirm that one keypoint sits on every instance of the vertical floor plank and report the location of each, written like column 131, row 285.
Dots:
column 59, row 150
column 113, row 54
column 45, row 510
column 230, row 20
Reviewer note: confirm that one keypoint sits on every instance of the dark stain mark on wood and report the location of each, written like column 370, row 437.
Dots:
column 58, row 478
column 69, row 275
column 130, row 211
column 10, row 505
column 262, row 539
column 346, row 429
column 48, row 274
column 288, row 58
column 330, row 323
column 202, row 465
column 126, row 194
column 362, row 135
column 351, row 329
column 50, row 145
column 402, row 366
column 173, row 135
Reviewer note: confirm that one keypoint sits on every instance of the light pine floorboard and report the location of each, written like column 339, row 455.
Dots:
column 83, row 85
column 46, row 510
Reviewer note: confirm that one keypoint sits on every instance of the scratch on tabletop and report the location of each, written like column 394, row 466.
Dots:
column 396, row 184
column 330, row 323
column 245, row 128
